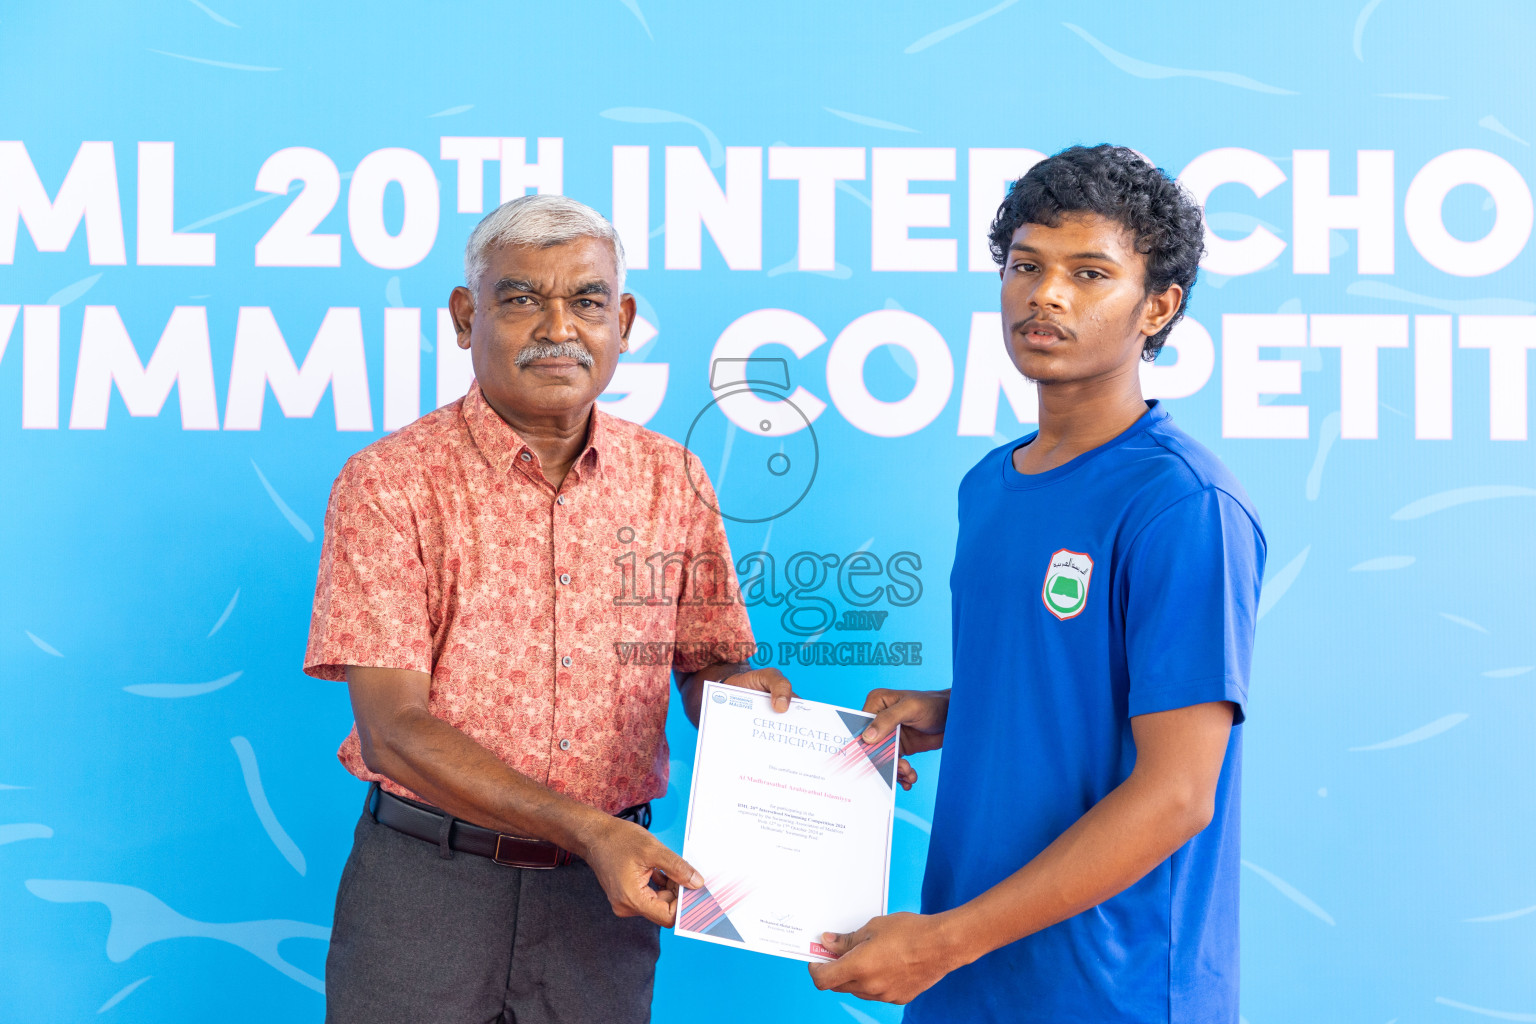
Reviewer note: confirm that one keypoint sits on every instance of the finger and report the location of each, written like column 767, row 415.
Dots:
column 826, row 976
column 879, row 700
column 766, row 680
column 661, row 883
column 844, row 942
column 914, row 741
column 650, row 905
column 887, row 720
column 751, row 679
column 905, row 773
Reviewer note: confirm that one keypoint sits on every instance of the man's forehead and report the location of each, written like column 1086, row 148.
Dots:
column 1078, row 231
column 562, row 265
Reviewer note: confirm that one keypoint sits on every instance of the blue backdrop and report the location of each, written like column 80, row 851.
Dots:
column 172, row 818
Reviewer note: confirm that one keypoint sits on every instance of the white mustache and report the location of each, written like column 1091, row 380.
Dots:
column 563, row 350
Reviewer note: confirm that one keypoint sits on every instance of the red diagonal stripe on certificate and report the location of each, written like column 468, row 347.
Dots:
column 700, row 908
column 860, row 758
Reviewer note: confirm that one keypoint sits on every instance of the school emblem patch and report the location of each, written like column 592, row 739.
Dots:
column 1065, row 592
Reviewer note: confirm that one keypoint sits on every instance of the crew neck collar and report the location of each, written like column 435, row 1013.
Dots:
column 1014, row 480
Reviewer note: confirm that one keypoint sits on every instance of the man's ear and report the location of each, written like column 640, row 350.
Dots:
column 1161, row 308
column 626, row 319
column 461, row 307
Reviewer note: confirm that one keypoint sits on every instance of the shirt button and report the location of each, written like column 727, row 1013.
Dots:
column 565, row 577
column 565, row 744
column 560, row 499
column 566, row 661
column 526, row 457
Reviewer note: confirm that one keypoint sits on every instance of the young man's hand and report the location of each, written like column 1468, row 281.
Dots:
column 893, row 959
column 921, row 715
column 627, row 859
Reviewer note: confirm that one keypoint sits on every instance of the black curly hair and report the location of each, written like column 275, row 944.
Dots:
column 1119, row 184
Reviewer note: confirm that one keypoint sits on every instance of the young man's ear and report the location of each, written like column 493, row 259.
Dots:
column 1161, row 308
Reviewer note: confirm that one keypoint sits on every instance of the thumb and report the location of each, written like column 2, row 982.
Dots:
column 782, row 690
column 885, row 722
column 677, row 869
column 838, row 943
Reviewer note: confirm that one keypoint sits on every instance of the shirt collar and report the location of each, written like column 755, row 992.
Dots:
column 503, row 448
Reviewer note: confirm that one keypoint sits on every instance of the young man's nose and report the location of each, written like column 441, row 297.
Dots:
column 1050, row 293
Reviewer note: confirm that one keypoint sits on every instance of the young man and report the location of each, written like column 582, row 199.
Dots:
column 1083, row 865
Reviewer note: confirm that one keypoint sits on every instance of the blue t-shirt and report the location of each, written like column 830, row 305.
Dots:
column 1124, row 582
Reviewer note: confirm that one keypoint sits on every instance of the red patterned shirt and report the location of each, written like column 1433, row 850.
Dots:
column 549, row 620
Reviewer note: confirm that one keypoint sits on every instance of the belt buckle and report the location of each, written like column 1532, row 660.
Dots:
column 552, row 852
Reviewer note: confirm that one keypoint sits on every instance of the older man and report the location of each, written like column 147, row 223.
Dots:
column 473, row 593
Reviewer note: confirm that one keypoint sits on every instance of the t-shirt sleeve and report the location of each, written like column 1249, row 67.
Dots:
column 712, row 621
column 371, row 593
column 1192, row 582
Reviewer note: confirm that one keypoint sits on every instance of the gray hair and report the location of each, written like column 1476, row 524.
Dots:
column 539, row 220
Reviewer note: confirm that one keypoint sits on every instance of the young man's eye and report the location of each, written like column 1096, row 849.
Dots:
column 1093, row 275
column 1024, row 268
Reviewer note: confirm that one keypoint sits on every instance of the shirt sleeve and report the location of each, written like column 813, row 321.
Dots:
column 371, row 593
column 712, row 621
column 1192, row 594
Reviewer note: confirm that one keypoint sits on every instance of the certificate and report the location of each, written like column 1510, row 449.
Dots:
column 789, row 822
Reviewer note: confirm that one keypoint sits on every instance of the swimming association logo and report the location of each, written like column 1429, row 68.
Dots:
column 1065, row 592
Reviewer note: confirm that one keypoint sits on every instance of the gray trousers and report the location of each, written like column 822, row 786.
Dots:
column 420, row 939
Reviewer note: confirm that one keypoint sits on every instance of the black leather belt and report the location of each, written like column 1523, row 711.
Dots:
column 423, row 821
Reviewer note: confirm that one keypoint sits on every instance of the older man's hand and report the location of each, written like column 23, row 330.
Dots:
column 626, row 859
column 767, row 680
